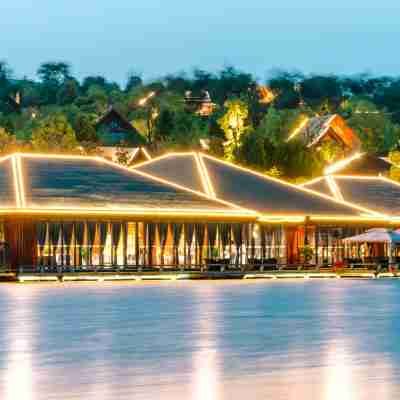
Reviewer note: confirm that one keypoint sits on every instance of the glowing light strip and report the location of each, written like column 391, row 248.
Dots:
column 312, row 181
column 201, row 173
column 177, row 186
column 135, row 151
column 146, row 153
column 298, row 129
column 207, row 176
column 205, row 179
column 5, row 158
column 16, row 184
column 301, row 219
column 342, row 163
column 298, row 188
column 20, row 181
column 136, row 172
column 159, row 158
column 223, row 215
column 334, row 188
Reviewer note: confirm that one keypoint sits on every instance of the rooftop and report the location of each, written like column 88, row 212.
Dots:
column 49, row 183
column 249, row 189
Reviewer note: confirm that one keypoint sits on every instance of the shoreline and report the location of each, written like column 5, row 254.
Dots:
column 192, row 276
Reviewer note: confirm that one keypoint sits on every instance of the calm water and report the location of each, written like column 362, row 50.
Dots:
column 330, row 340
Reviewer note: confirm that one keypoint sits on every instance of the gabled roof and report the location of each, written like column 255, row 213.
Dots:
column 268, row 196
column 36, row 183
column 315, row 129
column 130, row 136
column 373, row 192
column 361, row 164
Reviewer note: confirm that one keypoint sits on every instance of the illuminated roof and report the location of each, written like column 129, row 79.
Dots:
column 7, row 192
column 360, row 164
column 45, row 183
column 373, row 192
column 269, row 196
column 313, row 130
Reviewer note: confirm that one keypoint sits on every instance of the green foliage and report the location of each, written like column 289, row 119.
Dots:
column 307, row 252
column 242, row 128
column 7, row 142
column 394, row 157
column 234, row 125
column 54, row 134
column 331, row 151
column 377, row 132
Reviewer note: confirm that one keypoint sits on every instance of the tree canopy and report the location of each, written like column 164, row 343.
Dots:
column 58, row 112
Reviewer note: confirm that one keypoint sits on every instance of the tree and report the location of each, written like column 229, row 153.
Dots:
column 374, row 127
column 233, row 123
column 54, row 135
column 8, row 142
column 54, row 72
column 85, row 128
column 133, row 82
column 5, row 73
column 68, row 92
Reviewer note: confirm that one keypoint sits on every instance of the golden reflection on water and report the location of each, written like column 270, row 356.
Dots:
column 18, row 375
column 217, row 364
column 205, row 358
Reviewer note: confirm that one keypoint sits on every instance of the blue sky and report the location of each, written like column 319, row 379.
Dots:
column 154, row 37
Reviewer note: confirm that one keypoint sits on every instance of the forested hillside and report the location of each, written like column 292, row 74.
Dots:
column 248, row 120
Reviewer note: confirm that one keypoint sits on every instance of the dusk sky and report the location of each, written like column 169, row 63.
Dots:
column 155, row 37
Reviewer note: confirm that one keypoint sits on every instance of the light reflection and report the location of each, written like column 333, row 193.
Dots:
column 205, row 359
column 18, row 375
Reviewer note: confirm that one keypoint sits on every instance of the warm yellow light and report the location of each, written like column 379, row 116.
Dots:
column 334, row 188
column 145, row 99
column 146, row 153
column 20, row 181
column 207, row 176
column 299, row 188
column 341, row 164
column 299, row 128
column 15, row 179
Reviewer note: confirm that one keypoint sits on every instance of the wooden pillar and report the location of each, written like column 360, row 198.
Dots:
column 290, row 244
column 20, row 235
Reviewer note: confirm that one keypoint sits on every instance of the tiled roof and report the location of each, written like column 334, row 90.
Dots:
column 373, row 192
column 244, row 187
column 91, row 183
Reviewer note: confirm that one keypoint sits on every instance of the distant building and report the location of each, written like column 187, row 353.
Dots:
column 117, row 135
column 332, row 127
column 201, row 105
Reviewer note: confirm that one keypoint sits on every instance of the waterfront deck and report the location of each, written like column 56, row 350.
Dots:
column 165, row 275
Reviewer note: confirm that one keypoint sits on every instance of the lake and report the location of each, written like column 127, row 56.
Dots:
column 207, row 340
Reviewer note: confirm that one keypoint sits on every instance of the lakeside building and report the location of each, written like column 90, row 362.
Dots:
column 316, row 131
column 291, row 217
column 361, row 179
column 185, row 210
column 117, row 134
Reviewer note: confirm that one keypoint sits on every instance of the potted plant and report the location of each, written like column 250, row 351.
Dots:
column 307, row 252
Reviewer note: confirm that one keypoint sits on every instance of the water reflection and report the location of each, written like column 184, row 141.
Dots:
column 205, row 358
column 18, row 379
column 201, row 341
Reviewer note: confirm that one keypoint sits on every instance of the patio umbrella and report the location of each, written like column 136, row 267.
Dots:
column 377, row 235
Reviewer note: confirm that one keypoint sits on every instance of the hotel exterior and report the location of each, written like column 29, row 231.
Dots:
column 180, row 211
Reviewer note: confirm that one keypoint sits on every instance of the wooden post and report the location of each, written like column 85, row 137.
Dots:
column 20, row 234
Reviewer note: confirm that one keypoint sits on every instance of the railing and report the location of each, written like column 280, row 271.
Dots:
column 218, row 266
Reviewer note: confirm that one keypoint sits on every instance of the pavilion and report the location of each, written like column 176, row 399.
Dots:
column 185, row 210
column 290, row 217
column 361, row 179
